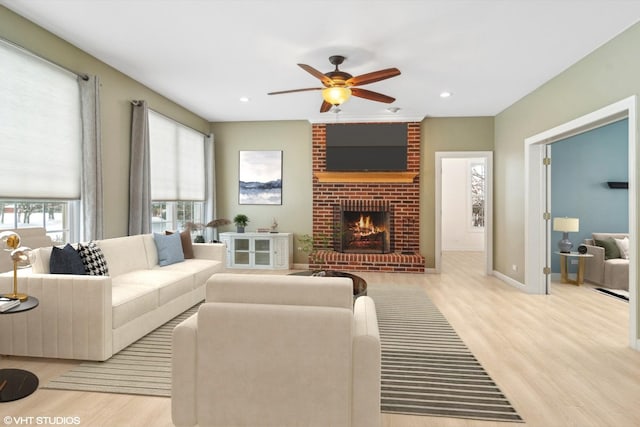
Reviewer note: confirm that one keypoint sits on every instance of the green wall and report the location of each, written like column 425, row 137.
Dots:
column 607, row 75
column 117, row 91
column 445, row 134
column 294, row 139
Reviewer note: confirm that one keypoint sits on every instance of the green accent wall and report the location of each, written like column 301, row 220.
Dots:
column 294, row 139
column 607, row 75
column 445, row 134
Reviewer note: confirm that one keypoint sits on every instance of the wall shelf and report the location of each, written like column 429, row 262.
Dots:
column 616, row 184
column 401, row 177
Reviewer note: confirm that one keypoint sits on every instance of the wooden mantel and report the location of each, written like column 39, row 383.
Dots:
column 401, row 177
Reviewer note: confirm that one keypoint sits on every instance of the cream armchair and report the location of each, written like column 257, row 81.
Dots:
column 611, row 273
column 271, row 350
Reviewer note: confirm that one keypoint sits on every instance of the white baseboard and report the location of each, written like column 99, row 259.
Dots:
column 508, row 280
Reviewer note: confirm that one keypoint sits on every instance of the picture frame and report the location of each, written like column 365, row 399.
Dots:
column 260, row 177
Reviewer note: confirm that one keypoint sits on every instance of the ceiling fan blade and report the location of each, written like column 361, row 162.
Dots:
column 317, row 74
column 325, row 107
column 375, row 76
column 294, row 90
column 373, row 96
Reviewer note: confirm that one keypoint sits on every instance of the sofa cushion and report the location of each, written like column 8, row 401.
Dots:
column 164, row 285
column 201, row 269
column 623, row 246
column 187, row 245
column 616, row 273
column 610, row 248
column 66, row 260
column 124, row 254
column 93, row 259
column 130, row 301
column 169, row 248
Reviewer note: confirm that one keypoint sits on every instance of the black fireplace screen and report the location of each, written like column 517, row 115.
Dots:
column 364, row 227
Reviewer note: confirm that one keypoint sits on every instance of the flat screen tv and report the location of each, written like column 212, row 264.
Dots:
column 380, row 147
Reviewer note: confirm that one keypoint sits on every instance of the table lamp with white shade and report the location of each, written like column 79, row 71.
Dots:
column 566, row 226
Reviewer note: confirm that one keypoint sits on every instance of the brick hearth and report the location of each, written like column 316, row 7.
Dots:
column 403, row 197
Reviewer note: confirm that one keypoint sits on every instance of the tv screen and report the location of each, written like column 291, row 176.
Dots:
column 366, row 147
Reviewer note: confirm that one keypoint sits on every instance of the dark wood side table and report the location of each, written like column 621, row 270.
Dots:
column 17, row 383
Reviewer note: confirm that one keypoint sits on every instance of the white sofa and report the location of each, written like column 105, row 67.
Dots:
column 93, row 317
column 269, row 350
column 611, row 273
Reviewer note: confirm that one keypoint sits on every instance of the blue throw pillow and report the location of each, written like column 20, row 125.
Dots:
column 66, row 261
column 169, row 248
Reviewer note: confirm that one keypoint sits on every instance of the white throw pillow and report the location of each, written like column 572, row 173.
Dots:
column 623, row 245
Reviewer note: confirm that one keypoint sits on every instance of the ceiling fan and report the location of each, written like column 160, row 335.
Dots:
column 339, row 86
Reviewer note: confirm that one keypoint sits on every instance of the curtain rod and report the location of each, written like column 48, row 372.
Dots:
column 138, row 102
column 83, row 76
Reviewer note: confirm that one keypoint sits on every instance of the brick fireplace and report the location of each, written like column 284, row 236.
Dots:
column 381, row 230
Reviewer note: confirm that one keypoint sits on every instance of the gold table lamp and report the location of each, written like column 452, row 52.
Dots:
column 10, row 242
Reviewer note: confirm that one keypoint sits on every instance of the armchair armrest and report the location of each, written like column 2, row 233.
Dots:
column 366, row 364
column 594, row 266
column 214, row 251
column 184, row 366
column 72, row 321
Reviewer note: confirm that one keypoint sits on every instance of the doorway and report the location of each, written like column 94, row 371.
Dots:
column 475, row 171
column 537, row 191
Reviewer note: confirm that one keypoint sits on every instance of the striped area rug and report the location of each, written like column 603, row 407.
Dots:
column 144, row 367
column 426, row 368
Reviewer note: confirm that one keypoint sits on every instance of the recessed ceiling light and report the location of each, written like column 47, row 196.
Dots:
column 445, row 94
column 244, row 99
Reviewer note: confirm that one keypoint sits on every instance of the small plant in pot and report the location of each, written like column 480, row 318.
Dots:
column 241, row 222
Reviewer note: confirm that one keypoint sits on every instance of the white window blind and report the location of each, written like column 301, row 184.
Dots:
column 40, row 128
column 177, row 160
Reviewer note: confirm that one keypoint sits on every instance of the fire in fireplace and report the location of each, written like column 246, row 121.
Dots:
column 365, row 227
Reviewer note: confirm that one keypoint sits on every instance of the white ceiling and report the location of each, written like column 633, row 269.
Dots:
column 205, row 55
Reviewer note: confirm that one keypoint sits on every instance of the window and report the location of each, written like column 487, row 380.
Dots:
column 177, row 174
column 41, row 139
column 477, row 186
column 175, row 215
column 54, row 216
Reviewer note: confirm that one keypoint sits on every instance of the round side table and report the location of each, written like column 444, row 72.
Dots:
column 17, row 383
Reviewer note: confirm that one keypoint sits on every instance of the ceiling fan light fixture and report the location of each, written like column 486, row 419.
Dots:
column 336, row 95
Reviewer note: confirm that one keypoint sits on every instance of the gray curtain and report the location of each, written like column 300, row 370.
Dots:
column 210, row 186
column 91, row 197
column 139, row 172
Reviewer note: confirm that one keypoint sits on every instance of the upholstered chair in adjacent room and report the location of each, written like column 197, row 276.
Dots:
column 272, row 350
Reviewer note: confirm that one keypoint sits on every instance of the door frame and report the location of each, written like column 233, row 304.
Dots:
column 537, row 231
column 488, row 226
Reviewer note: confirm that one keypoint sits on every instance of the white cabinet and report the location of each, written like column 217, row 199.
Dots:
column 258, row 250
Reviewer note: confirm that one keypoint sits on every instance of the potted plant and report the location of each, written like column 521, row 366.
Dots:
column 241, row 221
column 311, row 246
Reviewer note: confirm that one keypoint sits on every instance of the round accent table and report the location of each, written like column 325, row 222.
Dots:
column 17, row 383
column 564, row 275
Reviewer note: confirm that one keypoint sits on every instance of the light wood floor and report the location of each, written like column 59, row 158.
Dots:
column 561, row 359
